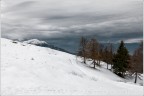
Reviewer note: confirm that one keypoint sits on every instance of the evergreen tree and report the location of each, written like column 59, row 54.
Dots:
column 121, row 60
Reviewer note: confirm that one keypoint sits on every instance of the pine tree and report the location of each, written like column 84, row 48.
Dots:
column 121, row 60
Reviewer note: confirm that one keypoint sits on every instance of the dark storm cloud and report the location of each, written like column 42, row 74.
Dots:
column 59, row 20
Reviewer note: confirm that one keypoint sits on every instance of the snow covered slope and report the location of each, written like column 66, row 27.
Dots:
column 33, row 70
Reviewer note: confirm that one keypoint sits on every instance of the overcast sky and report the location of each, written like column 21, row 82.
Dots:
column 67, row 20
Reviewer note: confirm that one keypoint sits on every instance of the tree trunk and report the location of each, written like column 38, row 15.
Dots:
column 84, row 60
column 123, row 74
column 135, row 78
column 99, row 62
column 94, row 64
column 107, row 65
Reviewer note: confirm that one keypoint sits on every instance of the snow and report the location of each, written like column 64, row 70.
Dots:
column 33, row 70
column 35, row 42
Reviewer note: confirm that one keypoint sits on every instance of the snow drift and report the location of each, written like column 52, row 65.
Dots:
column 32, row 70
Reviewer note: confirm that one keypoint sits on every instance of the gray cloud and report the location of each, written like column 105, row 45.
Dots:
column 67, row 20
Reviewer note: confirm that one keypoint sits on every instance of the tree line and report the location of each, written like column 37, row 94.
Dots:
column 120, row 61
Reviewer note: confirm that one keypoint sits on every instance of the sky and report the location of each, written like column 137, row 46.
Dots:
column 63, row 22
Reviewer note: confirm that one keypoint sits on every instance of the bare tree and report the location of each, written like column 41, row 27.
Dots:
column 108, row 54
column 93, row 51
column 137, row 61
column 111, row 54
column 100, row 53
column 82, row 50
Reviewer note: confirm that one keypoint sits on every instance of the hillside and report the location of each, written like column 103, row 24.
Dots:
column 32, row 70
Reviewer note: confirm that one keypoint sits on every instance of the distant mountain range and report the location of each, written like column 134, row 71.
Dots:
column 45, row 44
column 130, row 46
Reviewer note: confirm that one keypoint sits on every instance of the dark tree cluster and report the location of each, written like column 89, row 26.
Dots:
column 120, row 61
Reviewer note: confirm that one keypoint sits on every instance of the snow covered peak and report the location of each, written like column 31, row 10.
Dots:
column 35, row 42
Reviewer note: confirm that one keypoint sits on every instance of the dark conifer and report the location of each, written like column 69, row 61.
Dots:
column 121, row 60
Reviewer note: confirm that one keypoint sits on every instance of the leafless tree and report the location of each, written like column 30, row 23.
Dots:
column 93, row 51
column 137, row 61
column 108, row 54
column 82, row 50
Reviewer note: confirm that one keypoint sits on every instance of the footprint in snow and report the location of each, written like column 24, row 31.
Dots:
column 32, row 58
column 94, row 79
